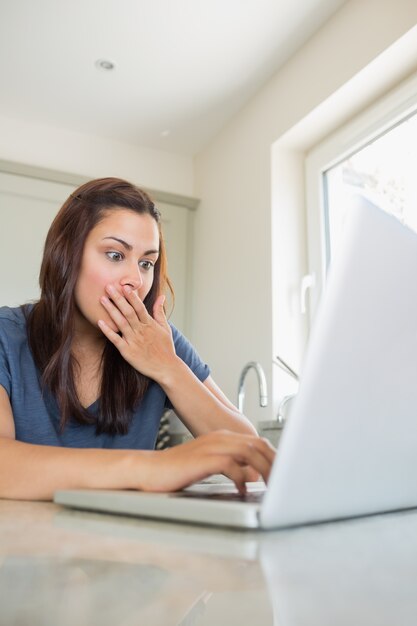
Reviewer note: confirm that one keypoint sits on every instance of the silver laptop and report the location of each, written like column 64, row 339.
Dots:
column 350, row 445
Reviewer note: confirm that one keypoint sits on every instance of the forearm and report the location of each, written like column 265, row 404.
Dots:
column 200, row 410
column 34, row 472
column 146, row 343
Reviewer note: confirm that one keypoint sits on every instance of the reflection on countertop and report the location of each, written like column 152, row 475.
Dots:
column 62, row 567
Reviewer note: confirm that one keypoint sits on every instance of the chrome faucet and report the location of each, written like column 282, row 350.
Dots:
column 263, row 395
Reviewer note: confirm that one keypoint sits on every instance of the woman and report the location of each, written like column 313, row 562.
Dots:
column 87, row 371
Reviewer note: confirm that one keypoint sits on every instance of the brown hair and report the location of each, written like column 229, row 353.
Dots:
column 50, row 321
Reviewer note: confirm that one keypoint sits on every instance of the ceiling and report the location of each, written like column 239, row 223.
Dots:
column 182, row 68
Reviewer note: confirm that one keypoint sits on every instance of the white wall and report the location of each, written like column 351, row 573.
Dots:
column 232, row 303
column 232, row 309
column 92, row 156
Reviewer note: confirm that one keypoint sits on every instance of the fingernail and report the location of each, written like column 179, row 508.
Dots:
column 111, row 289
column 127, row 289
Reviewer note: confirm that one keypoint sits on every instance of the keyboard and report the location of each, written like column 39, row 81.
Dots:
column 254, row 497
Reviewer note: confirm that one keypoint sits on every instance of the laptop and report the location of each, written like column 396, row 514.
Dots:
column 349, row 447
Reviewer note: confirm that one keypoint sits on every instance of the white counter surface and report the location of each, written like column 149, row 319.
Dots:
column 60, row 567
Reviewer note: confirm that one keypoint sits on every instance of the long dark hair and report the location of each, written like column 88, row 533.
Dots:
column 50, row 322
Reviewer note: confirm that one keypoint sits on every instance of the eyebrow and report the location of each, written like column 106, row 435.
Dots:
column 129, row 247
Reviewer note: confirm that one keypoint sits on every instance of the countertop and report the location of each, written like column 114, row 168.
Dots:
column 61, row 567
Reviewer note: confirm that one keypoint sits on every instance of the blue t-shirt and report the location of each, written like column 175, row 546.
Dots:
column 36, row 413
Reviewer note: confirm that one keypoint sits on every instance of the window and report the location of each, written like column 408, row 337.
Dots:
column 385, row 171
column 374, row 155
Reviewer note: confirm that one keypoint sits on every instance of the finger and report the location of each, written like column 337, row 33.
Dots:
column 255, row 460
column 158, row 310
column 123, row 306
column 117, row 316
column 267, row 449
column 228, row 466
column 251, row 475
column 116, row 340
column 261, row 444
column 246, row 450
column 137, row 304
column 238, row 478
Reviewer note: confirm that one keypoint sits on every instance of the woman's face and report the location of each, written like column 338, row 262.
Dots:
column 121, row 249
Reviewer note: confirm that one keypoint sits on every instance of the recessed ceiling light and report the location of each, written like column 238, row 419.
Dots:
column 104, row 64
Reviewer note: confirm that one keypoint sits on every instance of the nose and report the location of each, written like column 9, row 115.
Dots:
column 133, row 278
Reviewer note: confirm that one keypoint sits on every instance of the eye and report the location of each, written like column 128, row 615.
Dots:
column 114, row 256
column 146, row 265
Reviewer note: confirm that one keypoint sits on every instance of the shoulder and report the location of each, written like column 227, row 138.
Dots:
column 13, row 345
column 12, row 319
column 13, row 330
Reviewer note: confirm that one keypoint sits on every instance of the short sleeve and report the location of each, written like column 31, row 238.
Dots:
column 5, row 377
column 190, row 356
